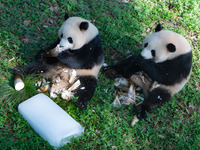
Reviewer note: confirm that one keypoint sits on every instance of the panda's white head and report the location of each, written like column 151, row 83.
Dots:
column 164, row 45
column 75, row 33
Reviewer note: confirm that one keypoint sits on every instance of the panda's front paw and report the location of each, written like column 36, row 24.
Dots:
column 17, row 71
column 105, row 68
column 82, row 105
column 141, row 111
column 110, row 72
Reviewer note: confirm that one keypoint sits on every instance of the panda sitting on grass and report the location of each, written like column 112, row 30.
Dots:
column 78, row 51
column 166, row 60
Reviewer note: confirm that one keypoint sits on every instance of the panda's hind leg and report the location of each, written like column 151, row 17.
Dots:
column 156, row 98
column 85, row 90
column 34, row 67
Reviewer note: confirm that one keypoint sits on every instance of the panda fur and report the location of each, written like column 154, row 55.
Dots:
column 77, row 48
column 166, row 59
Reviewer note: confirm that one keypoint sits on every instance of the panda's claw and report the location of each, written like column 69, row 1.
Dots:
column 106, row 68
column 82, row 105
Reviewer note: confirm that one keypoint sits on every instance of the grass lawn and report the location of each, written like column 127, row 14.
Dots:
column 27, row 26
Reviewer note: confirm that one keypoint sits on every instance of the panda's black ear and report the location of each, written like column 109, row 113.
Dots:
column 158, row 28
column 84, row 26
column 66, row 15
column 171, row 47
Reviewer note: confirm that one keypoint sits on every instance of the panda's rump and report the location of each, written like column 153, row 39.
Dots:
column 176, row 87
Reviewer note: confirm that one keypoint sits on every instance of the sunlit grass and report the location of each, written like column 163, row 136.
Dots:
column 28, row 26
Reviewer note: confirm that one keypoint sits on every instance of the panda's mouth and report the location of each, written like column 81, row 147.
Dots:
column 65, row 44
column 59, row 49
column 60, row 46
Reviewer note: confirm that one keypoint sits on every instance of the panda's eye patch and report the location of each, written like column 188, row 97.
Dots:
column 146, row 44
column 153, row 52
column 70, row 40
column 61, row 35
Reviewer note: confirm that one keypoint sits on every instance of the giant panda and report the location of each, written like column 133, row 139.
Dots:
column 166, row 60
column 78, row 48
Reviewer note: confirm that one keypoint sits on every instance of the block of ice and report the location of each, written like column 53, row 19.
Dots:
column 49, row 120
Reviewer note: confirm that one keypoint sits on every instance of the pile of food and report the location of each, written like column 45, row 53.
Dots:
column 64, row 84
column 125, row 93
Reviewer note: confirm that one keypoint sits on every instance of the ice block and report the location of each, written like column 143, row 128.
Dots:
column 49, row 120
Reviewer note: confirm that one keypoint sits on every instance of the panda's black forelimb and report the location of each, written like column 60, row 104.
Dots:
column 124, row 68
column 41, row 53
column 86, row 90
column 168, row 72
column 156, row 98
column 154, row 71
column 41, row 63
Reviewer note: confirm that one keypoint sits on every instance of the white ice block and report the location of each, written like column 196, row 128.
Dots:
column 49, row 120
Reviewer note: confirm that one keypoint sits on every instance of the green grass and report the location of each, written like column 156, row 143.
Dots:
column 28, row 26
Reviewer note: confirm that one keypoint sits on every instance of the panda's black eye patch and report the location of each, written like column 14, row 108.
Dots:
column 153, row 52
column 61, row 35
column 146, row 44
column 70, row 40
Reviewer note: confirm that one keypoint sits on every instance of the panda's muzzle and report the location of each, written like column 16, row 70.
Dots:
column 65, row 44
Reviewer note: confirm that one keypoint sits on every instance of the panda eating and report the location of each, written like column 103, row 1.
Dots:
column 166, row 60
column 78, row 49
